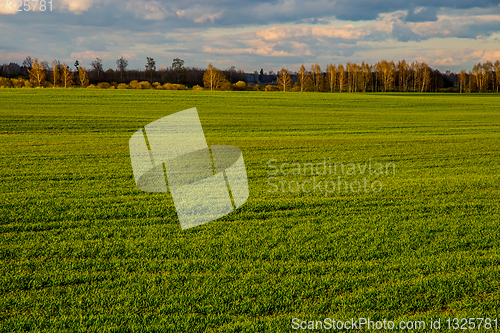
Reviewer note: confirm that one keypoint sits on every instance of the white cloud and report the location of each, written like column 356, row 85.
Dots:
column 291, row 32
column 457, row 26
column 91, row 55
column 209, row 17
column 200, row 14
column 489, row 55
column 148, row 10
column 267, row 51
column 76, row 6
column 446, row 62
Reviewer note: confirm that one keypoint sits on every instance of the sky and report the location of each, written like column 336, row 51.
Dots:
column 250, row 35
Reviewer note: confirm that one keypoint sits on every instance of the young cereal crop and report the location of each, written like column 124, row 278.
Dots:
column 82, row 249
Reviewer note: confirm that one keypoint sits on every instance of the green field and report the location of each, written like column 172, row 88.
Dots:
column 82, row 249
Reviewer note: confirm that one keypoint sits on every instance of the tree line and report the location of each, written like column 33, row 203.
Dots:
column 384, row 76
column 36, row 73
column 387, row 76
column 483, row 77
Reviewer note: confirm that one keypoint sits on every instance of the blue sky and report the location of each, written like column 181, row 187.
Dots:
column 250, row 35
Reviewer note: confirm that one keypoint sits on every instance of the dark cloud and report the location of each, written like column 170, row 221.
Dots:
column 141, row 15
column 358, row 10
column 403, row 33
column 313, row 21
column 428, row 14
column 169, row 28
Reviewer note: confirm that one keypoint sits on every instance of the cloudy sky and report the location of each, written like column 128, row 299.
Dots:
column 250, row 35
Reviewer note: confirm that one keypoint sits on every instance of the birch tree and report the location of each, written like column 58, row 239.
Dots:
column 331, row 76
column 341, row 77
column 284, row 80
column 83, row 76
column 367, row 73
column 462, row 78
column 426, row 77
column 67, row 76
column 317, row 77
column 213, row 78
column 37, row 73
column 302, row 78
column 55, row 75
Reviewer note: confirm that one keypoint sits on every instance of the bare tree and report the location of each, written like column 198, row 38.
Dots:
column 302, row 78
column 354, row 77
column 150, row 67
column 284, row 80
column 122, row 64
column 213, row 78
column 473, row 86
column 487, row 70
column 317, row 77
column 67, row 76
column 341, row 77
column 497, row 73
column 462, row 77
column 28, row 63
column 97, row 67
column 83, row 76
column 426, row 77
column 348, row 68
column 367, row 73
column 55, row 75
column 179, row 70
column 37, row 73
column 331, row 76
column 385, row 71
